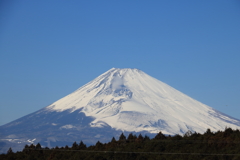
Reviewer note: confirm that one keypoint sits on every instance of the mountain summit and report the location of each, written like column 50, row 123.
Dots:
column 119, row 100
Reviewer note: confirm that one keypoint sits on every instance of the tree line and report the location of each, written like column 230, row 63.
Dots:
column 220, row 145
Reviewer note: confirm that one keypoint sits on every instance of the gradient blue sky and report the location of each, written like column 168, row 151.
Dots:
column 48, row 49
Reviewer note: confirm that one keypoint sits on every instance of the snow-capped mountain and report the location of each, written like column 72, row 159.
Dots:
column 119, row 100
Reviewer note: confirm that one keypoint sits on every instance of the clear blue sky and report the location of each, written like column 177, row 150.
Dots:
column 48, row 49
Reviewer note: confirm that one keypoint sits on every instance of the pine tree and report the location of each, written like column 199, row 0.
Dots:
column 9, row 151
column 38, row 146
column 122, row 137
column 208, row 132
column 160, row 136
column 32, row 146
column 66, row 147
column 82, row 146
column 146, row 138
column 227, row 132
column 131, row 138
column 140, row 138
column 74, row 146
column 99, row 145
column 26, row 148
column 113, row 140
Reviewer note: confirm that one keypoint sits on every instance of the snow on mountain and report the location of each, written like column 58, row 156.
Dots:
column 119, row 100
column 129, row 99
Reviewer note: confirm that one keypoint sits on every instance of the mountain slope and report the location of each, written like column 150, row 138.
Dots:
column 131, row 100
column 119, row 100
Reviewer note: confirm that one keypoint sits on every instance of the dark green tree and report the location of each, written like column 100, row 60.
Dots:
column 122, row 137
column 146, row 138
column 177, row 137
column 160, row 136
column 38, row 146
column 227, row 132
column 208, row 132
column 99, row 145
column 66, row 147
column 131, row 138
column 26, row 148
column 139, row 138
column 74, row 146
column 82, row 146
column 9, row 151
column 113, row 140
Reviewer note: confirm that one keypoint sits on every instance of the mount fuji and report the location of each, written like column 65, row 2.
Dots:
column 119, row 100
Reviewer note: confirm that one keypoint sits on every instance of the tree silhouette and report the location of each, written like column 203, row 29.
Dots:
column 99, row 145
column 82, row 146
column 122, row 137
column 222, row 145
column 38, row 146
column 140, row 138
column 160, row 136
column 208, row 132
column 146, row 138
column 74, row 146
column 66, row 147
column 9, row 151
column 113, row 140
column 131, row 138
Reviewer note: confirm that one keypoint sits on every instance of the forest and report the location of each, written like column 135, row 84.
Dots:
column 220, row 145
